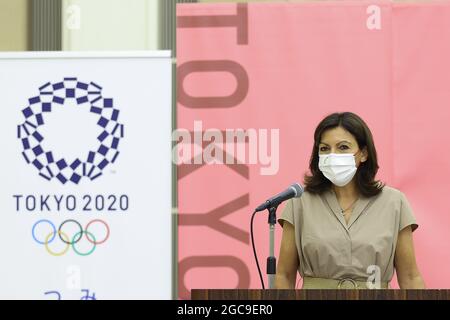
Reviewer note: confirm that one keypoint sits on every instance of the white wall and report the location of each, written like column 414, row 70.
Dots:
column 110, row 25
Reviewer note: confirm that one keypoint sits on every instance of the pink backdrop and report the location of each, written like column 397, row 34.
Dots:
column 285, row 66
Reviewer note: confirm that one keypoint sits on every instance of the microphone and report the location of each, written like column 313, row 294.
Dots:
column 294, row 191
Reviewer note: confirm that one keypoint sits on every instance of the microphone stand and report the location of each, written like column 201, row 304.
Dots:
column 271, row 260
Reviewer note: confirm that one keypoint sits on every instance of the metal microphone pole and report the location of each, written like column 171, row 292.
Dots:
column 271, row 260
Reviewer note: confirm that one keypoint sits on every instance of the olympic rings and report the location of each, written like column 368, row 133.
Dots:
column 81, row 234
column 73, row 241
column 60, row 233
column 34, row 227
column 66, row 239
column 107, row 231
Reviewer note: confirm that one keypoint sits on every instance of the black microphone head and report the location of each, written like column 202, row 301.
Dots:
column 297, row 187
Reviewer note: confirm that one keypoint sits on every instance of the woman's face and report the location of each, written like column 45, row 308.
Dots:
column 340, row 141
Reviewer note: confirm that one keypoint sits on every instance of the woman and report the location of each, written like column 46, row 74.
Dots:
column 347, row 230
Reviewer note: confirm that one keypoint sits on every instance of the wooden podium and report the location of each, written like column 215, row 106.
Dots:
column 383, row 294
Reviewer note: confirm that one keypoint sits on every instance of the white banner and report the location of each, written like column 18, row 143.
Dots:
column 85, row 179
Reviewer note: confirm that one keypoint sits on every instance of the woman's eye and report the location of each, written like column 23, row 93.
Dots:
column 344, row 147
column 323, row 149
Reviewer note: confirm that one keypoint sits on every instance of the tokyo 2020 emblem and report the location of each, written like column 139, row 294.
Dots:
column 53, row 166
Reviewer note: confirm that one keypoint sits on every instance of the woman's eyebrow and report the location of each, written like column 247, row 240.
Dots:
column 344, row 141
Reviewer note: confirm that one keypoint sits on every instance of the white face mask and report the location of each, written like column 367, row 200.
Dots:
column 338, row 168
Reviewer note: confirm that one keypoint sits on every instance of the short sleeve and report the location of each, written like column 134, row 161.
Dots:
column 406, row 215
column 288, row 213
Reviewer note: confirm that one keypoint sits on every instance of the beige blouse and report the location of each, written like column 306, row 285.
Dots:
column 329, row 248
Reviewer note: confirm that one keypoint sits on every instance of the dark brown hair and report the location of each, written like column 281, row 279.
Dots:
column 316, row 182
